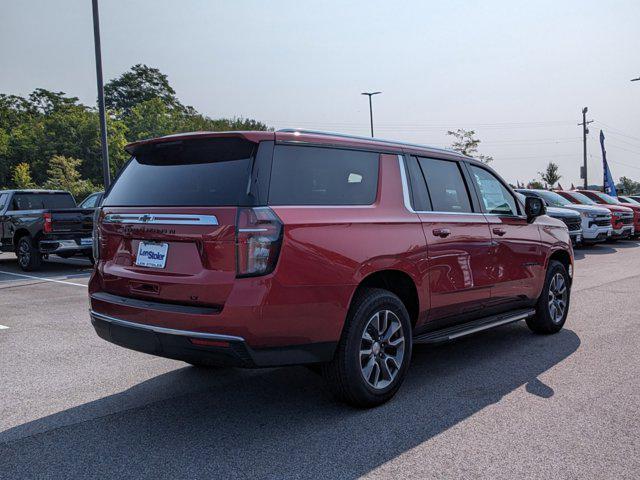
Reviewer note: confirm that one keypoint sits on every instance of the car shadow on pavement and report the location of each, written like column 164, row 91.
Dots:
column 278, row 423
column 600, row 249
column 604, row 248
column 627, row 244
column 53, row 266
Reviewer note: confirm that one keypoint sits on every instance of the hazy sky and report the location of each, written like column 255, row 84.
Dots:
column 518, row 72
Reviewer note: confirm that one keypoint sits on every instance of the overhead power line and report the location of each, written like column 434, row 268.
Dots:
column 619, row 132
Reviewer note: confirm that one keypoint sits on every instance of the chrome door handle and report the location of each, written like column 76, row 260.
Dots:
column 499, row 231
column 441, row 232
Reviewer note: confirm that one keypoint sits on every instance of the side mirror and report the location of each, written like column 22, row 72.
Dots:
column 534, row 207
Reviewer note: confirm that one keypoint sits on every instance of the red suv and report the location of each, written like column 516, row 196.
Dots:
column 263, row 249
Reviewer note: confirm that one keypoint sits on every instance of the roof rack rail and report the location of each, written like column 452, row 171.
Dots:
column 359, row 137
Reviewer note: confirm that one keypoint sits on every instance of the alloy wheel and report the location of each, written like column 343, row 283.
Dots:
column 382, row 349
column 557, row 297
column 24, row 253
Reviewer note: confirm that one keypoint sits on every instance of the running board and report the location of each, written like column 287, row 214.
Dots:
column 457, row 331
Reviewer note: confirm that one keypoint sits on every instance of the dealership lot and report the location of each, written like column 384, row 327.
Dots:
column 502, row 404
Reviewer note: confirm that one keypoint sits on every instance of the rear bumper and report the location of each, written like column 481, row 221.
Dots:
column 204, row 348
column 63, row 245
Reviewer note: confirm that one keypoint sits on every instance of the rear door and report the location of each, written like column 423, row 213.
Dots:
column 458, row 240
column 516, row 253
column 168, row 224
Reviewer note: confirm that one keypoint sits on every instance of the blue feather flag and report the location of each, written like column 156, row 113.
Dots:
column 608, row 183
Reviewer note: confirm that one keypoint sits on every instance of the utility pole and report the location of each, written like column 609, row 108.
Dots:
column 585, row 131
column 371, row 94
column 103, row 116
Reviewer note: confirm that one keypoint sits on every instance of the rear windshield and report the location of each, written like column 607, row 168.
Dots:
column 323, row 176
column 41, row 201
column 185, row 173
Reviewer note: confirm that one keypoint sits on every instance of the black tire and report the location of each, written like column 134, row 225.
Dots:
column 345, row 373
column 548, row 318
column 29, row 258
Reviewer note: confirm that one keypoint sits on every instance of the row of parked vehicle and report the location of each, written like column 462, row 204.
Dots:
column 591, row 216
column 259, row 249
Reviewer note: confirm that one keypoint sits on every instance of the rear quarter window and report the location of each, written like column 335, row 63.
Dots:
column 323, row 176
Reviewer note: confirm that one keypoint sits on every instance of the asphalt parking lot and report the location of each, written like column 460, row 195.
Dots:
column 502, row 404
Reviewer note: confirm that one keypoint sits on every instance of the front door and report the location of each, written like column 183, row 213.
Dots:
column 516, row 253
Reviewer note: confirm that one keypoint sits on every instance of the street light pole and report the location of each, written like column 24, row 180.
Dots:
column 103, row 116
column 371, row 94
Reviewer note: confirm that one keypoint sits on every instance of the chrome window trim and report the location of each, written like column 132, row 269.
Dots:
column 407, row 200
column 167, row 331
column 161, row 219
column 405, row 186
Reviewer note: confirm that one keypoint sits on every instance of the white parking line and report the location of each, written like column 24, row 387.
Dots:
column 44, row 279
column 3, row 327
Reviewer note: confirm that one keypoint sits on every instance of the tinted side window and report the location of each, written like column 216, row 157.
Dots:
column 419, row 194
column 447, row 190
column 4, row 197
column 494, row 195
column 90, row 201
column 323, row 176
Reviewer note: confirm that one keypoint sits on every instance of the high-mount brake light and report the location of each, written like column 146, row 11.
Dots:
column 258, row 240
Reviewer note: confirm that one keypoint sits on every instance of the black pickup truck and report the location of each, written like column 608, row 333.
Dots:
column 36, row 223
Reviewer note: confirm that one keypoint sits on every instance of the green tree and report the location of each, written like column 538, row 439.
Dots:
column 151, row 118
column 535, row 184
column 550, row 176
column 46, row 101
column 63, row 174
column 44, row 124
column 22, row 176
column 140, row 84
column 628, row 186
column 466, row 143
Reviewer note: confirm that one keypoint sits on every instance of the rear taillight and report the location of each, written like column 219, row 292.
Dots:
column 95, row 235
column 258, row 240
column 48, row 227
